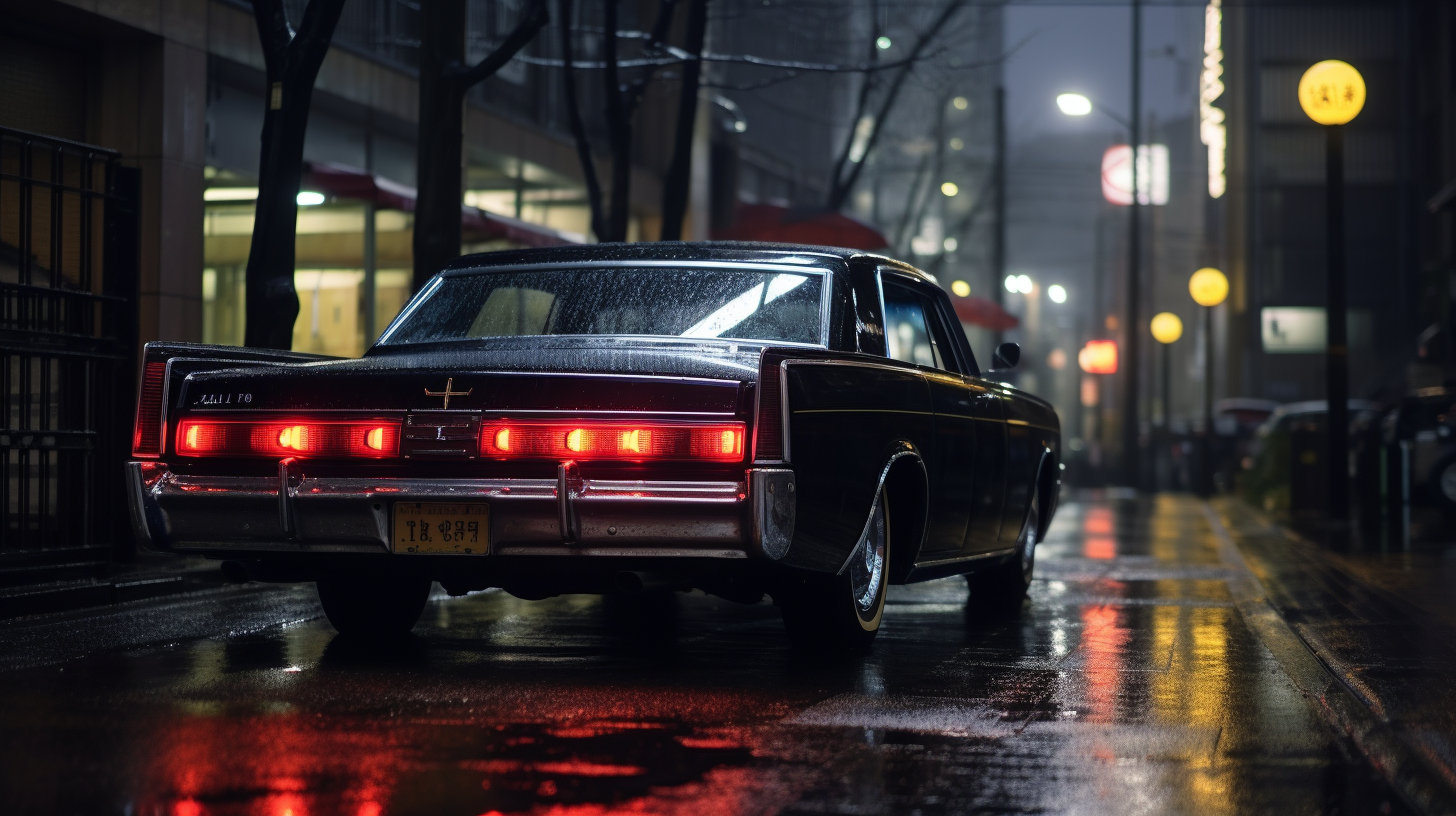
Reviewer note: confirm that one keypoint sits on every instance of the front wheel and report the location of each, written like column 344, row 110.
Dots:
column 1004, row 585
column 373, row 605
column 843, row 611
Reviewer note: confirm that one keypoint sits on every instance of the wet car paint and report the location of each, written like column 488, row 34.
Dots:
column 1128, row 684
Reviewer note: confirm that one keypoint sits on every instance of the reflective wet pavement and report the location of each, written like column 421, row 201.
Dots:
column 1381, row 616
column 1130, row 683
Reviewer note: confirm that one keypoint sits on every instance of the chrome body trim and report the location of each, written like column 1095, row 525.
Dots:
column 291, row 512
column 960, row 558
column 869, row 519
column 621, row 552
column 784, row 412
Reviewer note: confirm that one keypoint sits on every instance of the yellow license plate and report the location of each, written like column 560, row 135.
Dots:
column 431, row 527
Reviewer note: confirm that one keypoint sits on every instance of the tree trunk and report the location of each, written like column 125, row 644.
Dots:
column 292, row 63
column 675, row 186
column 441, row 138
column 619, row 130
column 444, row 80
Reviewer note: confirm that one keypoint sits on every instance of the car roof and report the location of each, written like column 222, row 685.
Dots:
column 685, row 251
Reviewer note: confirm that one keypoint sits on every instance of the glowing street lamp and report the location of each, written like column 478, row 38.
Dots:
column 1073, row 104
column 1167, row 328
column 1332, row 93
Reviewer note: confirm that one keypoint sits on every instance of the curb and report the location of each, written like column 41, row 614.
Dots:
column 72, row 595
column 1424, row 788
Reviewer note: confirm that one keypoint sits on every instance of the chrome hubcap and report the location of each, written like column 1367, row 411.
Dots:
column 1448, row 482
column 867, row 570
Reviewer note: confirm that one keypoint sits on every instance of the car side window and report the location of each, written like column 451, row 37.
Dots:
column 908, row 328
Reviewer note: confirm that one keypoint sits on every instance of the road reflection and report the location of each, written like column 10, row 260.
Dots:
column 1127, row 684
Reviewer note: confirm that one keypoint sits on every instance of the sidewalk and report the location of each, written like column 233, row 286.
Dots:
column 1382, row 621
column 151, row 575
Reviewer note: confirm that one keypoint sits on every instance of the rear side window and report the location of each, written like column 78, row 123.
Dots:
column 913, row 330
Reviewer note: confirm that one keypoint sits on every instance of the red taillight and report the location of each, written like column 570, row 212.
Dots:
column 147, row 440
column 628, row 441
column 230, row 437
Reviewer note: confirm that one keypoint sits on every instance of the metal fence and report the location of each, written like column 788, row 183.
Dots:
column 68, row 285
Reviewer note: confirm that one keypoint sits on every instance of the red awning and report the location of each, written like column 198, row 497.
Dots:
column 342, row 181
column 799, row 225
column 982, row 312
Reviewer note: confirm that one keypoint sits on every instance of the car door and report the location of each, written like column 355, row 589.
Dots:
column 915, row 333
column 977, row 407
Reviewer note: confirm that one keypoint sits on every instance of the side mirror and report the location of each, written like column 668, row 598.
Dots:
column 1007, row 356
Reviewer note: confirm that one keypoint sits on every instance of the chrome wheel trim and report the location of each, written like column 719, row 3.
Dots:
column 1029, row 541
column 1448, row 482
column 867, row 567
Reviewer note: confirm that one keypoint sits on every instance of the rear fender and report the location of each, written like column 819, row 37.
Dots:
column 852, row 421
column 173, row 362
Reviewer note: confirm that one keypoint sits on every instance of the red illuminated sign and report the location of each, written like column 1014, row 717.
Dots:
column 1098, row 357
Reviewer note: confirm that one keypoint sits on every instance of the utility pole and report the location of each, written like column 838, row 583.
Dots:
column 998, row 240
column 1132, row 324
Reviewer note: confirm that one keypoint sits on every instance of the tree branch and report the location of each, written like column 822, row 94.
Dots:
column 531, row 22
column 840, row 186
column 274, row 32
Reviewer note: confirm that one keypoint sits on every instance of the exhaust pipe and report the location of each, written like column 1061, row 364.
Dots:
column 236, row 572
column 635, row 583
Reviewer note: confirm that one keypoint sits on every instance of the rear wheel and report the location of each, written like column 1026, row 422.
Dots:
column 1004, row 585
column 1444, row 480
column 373, row 605
column 843, row 611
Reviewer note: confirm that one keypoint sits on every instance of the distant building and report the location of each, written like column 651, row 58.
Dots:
column 1399, row 152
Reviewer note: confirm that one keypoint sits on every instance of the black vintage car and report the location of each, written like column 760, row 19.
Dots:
column 743, row 419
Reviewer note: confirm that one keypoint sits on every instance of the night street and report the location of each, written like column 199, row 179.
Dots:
column 1132, row 682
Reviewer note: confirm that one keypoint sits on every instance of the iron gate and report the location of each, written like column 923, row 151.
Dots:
column 68, row 291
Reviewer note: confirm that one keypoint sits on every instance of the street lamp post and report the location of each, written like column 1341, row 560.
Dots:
column 1332, row 93
column 1079, row 105
column 1166, row 328
column 1209, row 287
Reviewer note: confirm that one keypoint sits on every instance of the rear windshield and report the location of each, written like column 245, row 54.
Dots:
column 742, row 304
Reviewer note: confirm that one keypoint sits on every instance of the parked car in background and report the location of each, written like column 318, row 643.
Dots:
column 1415, row 433
column 1284, row 472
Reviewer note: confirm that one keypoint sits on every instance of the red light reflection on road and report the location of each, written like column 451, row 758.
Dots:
column 1097, row 539
column 1104, row 640
column 294, row 764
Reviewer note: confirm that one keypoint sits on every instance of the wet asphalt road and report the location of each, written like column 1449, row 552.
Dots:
column 1130, row 683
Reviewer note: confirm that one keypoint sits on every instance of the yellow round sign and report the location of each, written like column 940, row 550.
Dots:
column 1208, row 286
column 1332, row 92
column 1167, row 328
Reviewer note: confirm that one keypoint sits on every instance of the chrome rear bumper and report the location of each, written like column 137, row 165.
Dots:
column 294, row 513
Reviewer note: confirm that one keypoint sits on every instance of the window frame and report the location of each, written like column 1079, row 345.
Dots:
column 945, row 346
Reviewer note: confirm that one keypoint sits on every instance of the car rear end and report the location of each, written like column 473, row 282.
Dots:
column 540, row 464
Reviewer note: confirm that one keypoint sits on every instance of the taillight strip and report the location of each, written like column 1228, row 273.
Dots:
column 277, row 438
column 612, row 440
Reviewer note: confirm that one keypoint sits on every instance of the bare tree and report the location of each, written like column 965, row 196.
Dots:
column 292, row 62
column 609, row 215
column 444, row 80
column 859, row 146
